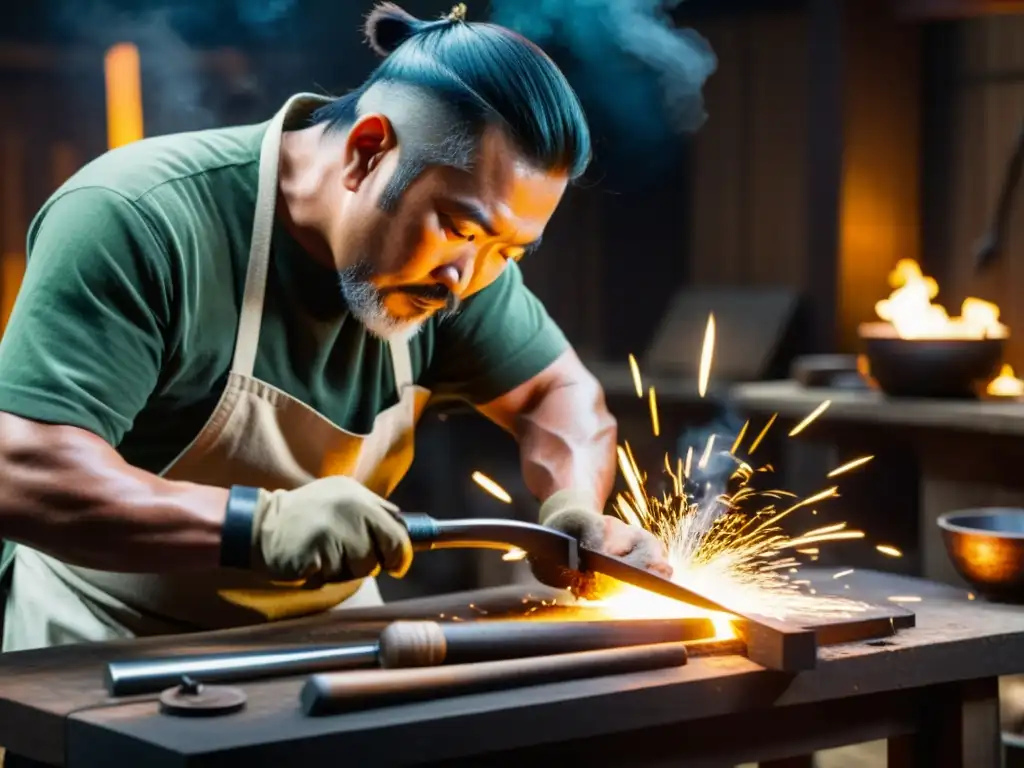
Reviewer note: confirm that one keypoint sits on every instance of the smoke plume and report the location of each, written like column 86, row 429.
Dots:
column 709, row 479
column 179, row 93
column 640, row 78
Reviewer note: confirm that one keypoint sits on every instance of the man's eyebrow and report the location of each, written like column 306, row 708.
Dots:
column 467, row 209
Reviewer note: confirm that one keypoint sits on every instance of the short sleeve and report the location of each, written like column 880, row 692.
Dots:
column 501, row 338
column 85, row 339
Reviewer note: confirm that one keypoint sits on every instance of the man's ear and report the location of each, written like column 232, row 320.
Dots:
column 369, row 139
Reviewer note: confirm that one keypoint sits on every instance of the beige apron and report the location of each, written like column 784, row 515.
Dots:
column 257, row 436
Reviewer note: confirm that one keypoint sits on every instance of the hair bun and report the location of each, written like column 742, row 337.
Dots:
column 388, row 26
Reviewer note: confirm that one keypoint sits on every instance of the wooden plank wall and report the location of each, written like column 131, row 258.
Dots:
column 750, row 180
column 985, row 111
column 45, row 135
column 880, row 211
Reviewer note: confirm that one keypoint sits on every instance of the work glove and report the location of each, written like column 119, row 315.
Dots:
column 331, row 530
column 573, row 512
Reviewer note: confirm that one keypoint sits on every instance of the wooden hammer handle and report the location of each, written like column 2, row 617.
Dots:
column 428, row 643
column 339, row 692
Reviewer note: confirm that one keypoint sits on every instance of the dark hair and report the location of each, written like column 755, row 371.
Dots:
column 487, row 75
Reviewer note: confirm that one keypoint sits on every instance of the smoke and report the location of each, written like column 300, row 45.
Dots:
column 181, row 91
column 640, row 78
column 708, row 479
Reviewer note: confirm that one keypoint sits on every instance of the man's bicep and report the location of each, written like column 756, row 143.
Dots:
column 501, row 339
column 85, row 340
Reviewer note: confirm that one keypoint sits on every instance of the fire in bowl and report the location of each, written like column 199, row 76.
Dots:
column 918, row 350
column 986, row 546
column 953, row 368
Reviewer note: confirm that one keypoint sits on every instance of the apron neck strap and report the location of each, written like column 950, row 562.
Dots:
column 251, row 317
column 402, row 364
column 259, row 258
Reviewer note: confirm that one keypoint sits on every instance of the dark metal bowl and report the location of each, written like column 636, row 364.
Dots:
column 986, row 547
column 946, row 368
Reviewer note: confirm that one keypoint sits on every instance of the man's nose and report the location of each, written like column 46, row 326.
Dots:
column 455, row 274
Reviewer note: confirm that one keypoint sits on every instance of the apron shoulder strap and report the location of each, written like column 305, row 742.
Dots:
column 262, row 233
column 401, row 363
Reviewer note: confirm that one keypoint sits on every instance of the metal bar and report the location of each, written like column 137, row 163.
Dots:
column 142, row 676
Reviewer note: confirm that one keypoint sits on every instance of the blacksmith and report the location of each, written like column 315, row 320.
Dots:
column 224, row 340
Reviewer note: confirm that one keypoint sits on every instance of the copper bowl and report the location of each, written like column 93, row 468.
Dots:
column 986, row 547
column 940, row 368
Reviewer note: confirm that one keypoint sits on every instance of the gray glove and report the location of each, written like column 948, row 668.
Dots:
column 573, row 512
column 333, row 529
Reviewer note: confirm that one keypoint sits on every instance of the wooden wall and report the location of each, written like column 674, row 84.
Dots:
column 52, row 122
column 980, row 120
column 750, row 179
column 807, row 173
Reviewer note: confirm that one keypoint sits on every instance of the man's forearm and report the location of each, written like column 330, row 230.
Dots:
column 567, row 439
column 66, row 492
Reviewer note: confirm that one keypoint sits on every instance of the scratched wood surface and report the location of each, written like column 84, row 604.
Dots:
column 50, row 698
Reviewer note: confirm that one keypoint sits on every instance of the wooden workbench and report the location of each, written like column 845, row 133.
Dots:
column 938, row 678
column 966, row 453
column 793, row 400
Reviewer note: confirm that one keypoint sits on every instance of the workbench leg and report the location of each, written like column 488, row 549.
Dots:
column 958, row 727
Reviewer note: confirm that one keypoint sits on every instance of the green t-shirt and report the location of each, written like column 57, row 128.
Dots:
column 126, row 320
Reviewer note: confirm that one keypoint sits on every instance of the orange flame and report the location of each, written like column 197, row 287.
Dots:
column 911, row 313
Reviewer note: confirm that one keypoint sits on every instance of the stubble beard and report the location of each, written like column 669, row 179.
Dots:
column 366, row 304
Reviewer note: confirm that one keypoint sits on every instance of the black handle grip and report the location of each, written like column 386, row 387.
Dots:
column 539, row 542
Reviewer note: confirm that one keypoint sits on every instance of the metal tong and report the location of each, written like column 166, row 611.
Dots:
column 543, row 545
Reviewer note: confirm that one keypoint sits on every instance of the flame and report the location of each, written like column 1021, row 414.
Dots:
column 911, row 313
column 1006, row 384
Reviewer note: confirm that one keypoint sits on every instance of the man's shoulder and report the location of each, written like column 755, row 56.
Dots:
column 138, row 169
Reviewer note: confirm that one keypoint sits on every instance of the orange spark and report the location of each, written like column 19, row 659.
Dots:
column 706, row 355
column 850, row 465
column 637, row 381
column 491, row 487
column 810, row 417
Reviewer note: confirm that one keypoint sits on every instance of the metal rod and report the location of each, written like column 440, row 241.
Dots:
column 141, row 676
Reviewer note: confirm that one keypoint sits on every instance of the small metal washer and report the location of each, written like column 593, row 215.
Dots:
column 192, row 699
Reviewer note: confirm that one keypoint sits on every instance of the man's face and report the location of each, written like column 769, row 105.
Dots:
column 450, row 235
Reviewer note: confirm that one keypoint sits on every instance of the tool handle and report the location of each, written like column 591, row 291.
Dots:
column 538, row 541
column 335, row 693
column 429, row 643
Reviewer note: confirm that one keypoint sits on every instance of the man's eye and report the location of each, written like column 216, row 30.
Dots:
column 450, row 228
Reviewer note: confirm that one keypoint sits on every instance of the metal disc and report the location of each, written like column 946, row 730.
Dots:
column 207, row 701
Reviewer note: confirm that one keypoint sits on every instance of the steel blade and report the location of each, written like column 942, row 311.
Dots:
column 617, row 568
